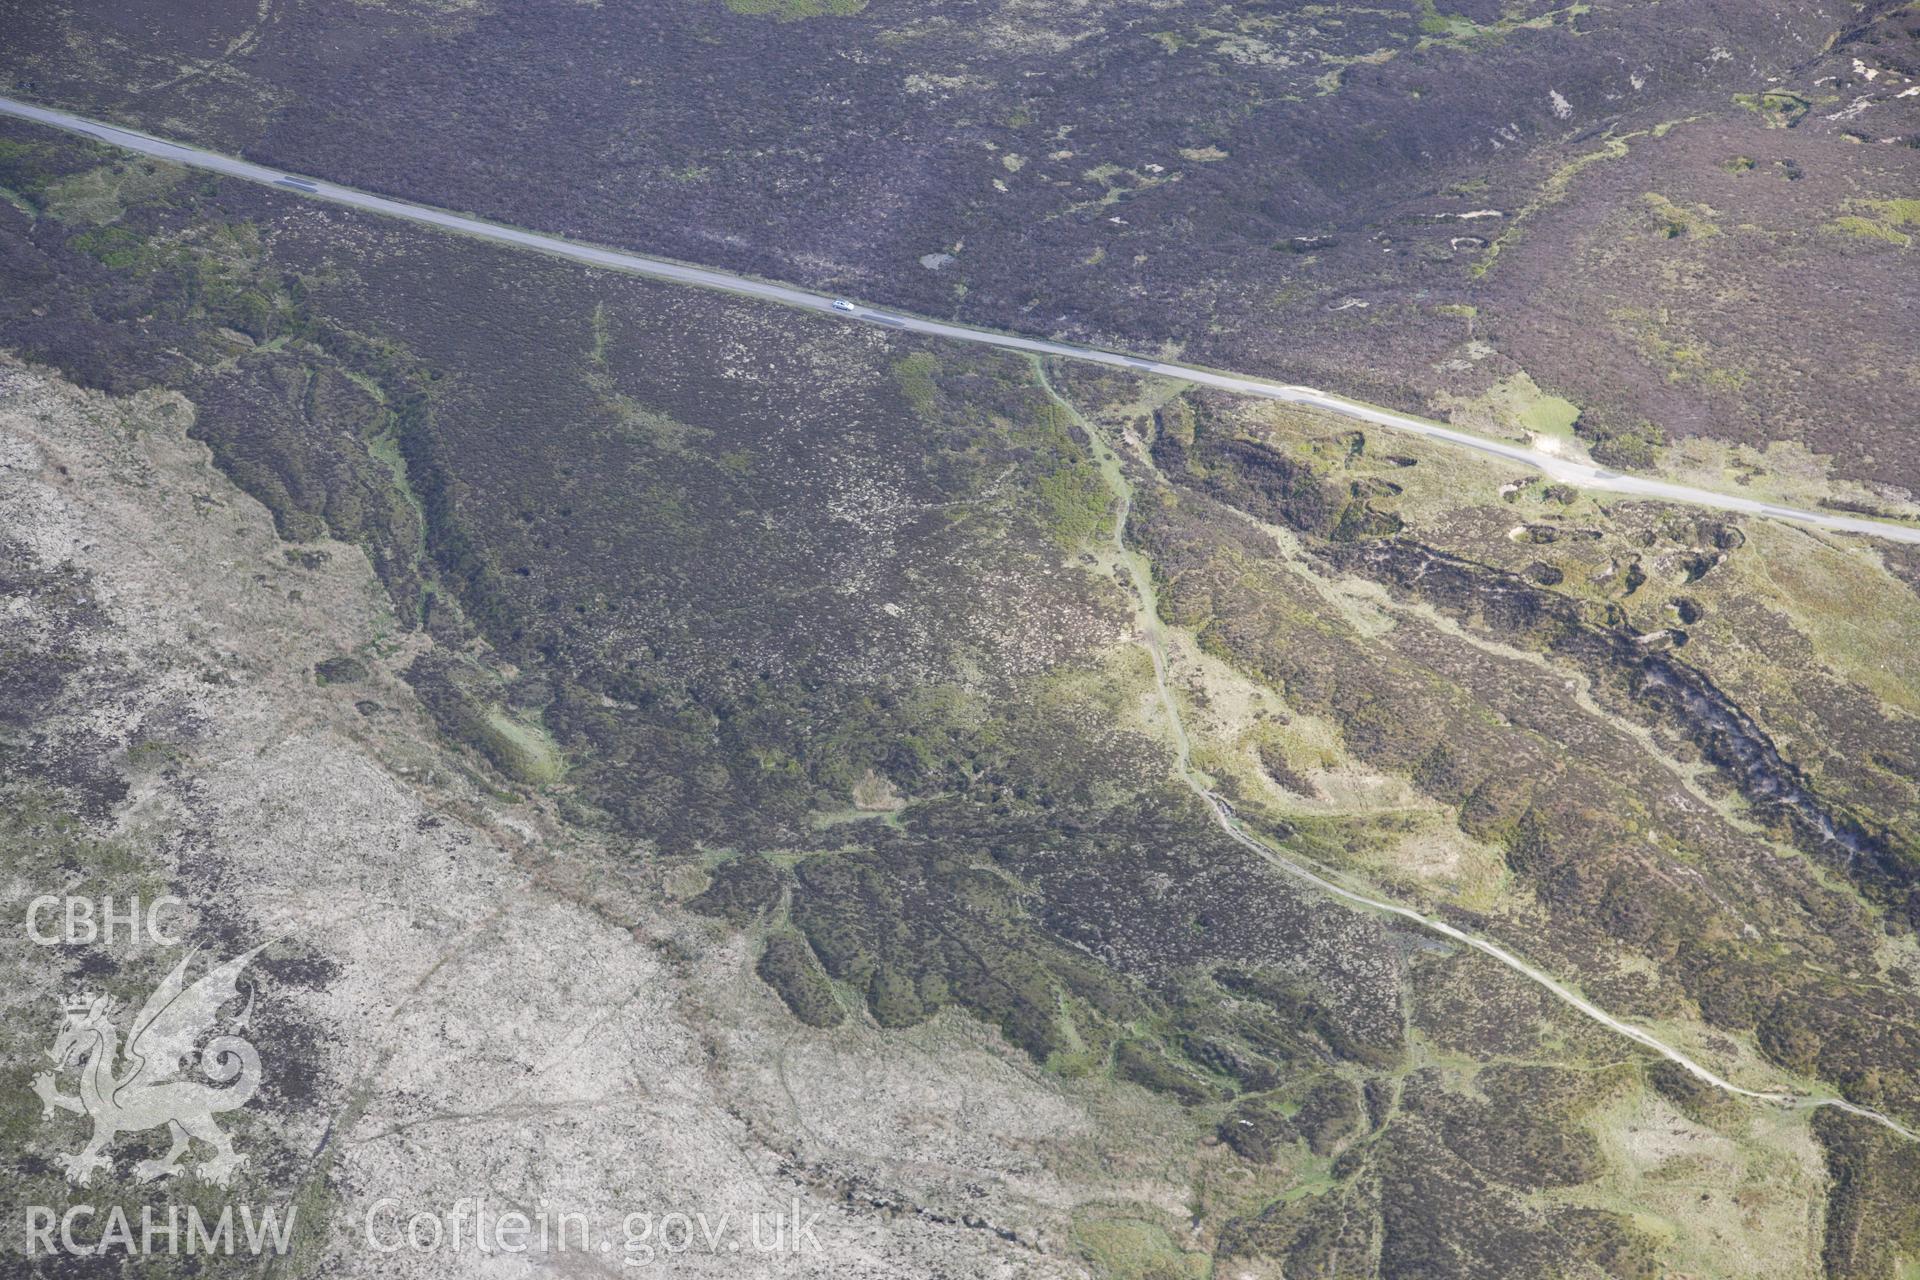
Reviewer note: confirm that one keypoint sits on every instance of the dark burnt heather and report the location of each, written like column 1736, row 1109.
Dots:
column 1316, row 192
column 1869, row 1223
column 39, row 677
column 699, row 535
column 798, row 616
column 710, row 534
column 881, row 137
column 1618, row 860
column 724, row 567
column 1391, row 712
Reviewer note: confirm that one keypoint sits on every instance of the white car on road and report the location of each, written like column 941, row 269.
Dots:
column 841, row 304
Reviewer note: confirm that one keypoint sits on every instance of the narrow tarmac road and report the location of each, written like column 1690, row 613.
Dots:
column 1565, row 471
column 1561, row 470
column 1148, row 633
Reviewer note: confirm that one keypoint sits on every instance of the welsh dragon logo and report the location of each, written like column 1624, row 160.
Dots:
column 150, row 1090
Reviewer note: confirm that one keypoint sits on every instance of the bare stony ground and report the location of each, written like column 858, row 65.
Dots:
column 468, row 1018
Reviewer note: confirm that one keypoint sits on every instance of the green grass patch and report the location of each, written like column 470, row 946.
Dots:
column 1900, row 213
column 523, row 750
column 100, row 196
column 1076, row 504
column 1676, row 222
column 1859, row 228
column 1135, row 1249
column 914, row 376
column 796, row 10
column 1458, row 31
column 1779, row 110
column 1075, row 501
column 1878, row 220
column 1518, row 401
column 1550, row 413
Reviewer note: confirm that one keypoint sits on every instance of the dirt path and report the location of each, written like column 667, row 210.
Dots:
column 1148, row 630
